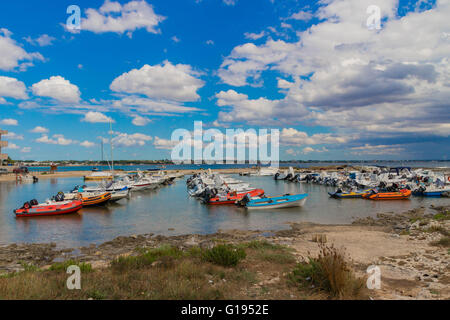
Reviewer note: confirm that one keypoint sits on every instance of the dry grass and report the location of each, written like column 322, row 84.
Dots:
column 227, row 272
column 443, row 242
column 263, row 271
column 330, row 273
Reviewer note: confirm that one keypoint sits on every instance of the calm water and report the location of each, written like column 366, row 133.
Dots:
column 170, row 207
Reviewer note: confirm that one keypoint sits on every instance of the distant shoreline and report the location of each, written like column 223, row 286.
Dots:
column 252, row 169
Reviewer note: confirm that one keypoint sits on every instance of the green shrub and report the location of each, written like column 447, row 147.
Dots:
column 224, row 255
column 62, row 266
column 444, row 215
column 165, row 254
column 29, row 267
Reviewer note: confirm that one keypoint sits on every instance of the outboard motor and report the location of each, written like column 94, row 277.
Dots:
column 207, row 195
column 59, row 197
column 276, row 176
column 26, row 205
column 243, row 202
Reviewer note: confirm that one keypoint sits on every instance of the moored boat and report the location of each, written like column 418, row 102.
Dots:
column 50, row 208
column 87, row 198
column 431, row 191
column 285, row 201
column 232, row 197
column 339, row 194
column 402, row 194
column 94, row 199
column 119, row 195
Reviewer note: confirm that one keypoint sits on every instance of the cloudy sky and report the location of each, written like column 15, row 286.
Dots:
column 335, row 87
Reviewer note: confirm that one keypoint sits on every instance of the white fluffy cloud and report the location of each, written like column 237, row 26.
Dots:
column 293, row 137
column 308, row 150
column 342, row 75
column 302, row 15
column 96, row 117
column 12, row 146
column 43, row 40
column 130, row 140
column 254, row 36
column 12, row 54
column 39, row 129
column 12, row 88
column 57, row 88
column 57, row 139
column 230, row 2
column 87, row 144
column 140, row 121
column 164, row 144
column 148, row 106
column 13, row 136
column 258, row 111
column 115, row 17
column 165, row 81
column 9, row 122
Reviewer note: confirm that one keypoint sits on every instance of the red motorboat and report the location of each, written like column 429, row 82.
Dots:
column 50, row 208
column 232, row 197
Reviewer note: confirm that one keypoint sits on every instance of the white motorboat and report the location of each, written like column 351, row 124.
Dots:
column 119, row 195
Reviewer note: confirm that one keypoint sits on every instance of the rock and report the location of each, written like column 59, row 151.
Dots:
column 191, row 242
column 156, row 263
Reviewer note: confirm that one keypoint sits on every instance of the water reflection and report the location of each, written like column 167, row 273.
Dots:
column 169, row 210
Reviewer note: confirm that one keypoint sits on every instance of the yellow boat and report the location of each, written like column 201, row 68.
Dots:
column 348, row 195
column 95, row 200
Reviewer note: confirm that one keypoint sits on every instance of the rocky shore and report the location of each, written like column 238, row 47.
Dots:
column 411, row 249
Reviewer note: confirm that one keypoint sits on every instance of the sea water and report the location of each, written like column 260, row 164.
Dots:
column 170, row 211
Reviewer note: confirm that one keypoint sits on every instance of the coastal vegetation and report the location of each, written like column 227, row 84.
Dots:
column 255, row 269
column 330, row 273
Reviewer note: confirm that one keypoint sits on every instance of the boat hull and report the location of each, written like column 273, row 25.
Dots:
column 349, row 195
column 119, row 195
column 401, row 195
column 146, row 186
column 50, row 210
column 96, row 200
column 277, row 202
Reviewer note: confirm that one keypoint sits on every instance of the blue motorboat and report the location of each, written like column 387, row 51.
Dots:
column 286, row 201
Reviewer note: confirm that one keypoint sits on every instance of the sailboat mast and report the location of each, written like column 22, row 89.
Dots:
column 111, row 144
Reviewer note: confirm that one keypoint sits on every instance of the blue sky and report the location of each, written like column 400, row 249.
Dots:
column 335, row 88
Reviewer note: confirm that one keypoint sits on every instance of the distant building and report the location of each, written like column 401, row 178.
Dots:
column 3, row 144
